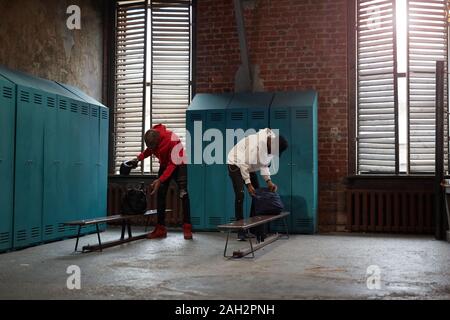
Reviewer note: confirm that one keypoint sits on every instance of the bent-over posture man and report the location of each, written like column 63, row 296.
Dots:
column 167, row 147
column 251, row 154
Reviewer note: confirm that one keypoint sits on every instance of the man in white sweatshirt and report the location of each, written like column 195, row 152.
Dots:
column 251, row 154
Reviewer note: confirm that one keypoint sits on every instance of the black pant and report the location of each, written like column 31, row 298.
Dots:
column 238, row 186
column 179, row 175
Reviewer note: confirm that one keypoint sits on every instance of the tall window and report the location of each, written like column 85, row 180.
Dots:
column 153, row 73
column 398, row 44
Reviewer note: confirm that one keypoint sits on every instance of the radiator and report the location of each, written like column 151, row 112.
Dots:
column 173, row 218
column 392, row 211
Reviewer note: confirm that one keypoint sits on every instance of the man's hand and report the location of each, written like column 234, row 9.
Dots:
column 133, row 163
column 272, row 186
column 155, row 186
column 251, row 190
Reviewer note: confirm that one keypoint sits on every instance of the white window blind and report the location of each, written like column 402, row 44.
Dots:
column 376, row 86
column 153, row 73
column 398, row 44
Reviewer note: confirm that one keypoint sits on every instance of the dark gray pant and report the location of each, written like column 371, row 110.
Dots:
column 180, row 177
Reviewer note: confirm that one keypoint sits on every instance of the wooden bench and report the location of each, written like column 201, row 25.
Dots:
column 126, row 226
column 245, row 225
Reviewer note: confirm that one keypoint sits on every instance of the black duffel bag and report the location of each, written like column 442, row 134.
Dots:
column 134, row 201
column 267, row 202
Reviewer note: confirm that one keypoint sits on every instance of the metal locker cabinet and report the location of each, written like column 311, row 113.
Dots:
column 257, row 106
column 280, row 120
column 302, row 110
column 7, row 133
column 196, row 172
column 216, row 173
column 94, row 162
column 52, row 170
column 199, row 191
column 103, row 163
column 28, row 168
column 237, row 118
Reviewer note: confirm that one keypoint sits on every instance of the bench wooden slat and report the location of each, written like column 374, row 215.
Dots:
column 252, row 222
column 114, row 218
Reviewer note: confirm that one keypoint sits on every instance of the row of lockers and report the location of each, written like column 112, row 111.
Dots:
column 53, row 159
column 294, row 114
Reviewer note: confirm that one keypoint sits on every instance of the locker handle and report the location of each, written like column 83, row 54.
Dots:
column 78, row 163
column 57, row 162
column 29, row 161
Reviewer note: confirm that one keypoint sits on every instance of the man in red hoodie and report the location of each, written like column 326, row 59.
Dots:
column 167, row 147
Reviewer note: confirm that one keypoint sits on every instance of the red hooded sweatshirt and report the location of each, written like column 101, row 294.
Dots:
column 163, row 152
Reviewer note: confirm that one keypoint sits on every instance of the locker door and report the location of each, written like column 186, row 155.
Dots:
column 215, row 174
column 196, row 171
column 52, row 171
column 236, row 119
column 7, row 132
column 86, row 186
column 29, row 168
column 74, row 165
column 303, row 187
column 94, row 165
column 64, row 179
column 280, row 120
column 103, row 164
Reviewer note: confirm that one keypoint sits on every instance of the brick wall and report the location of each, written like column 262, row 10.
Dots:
column 297, row 44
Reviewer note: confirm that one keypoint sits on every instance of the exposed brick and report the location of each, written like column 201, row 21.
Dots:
column 298, row 45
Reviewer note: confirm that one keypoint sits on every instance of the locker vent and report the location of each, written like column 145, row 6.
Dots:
column 216, row 116
column 236, row 116
column 281, row 114
column 73, row 107
column 215, row 221
column 196, row 117
column 231, row 220
column 301, row 114
column 21, row 235
column 51, row 102
column 94, row 113
column 48, row 230
column 61, row 228
column 195, row 220
column 85, row 110
column 72, row 228
column 63, row 105
column 258, row 115
column 37, row 99
column 4, row 237
column 7, row 92
column 104, row 115
column 24, row 96
column 35, row 232
column 303, row 223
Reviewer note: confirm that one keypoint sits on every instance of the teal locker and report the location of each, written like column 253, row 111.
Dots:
column 206, row 183
column 196, row 172
column 7, row 133
column 216, row 173
column 28, row 168
column 237, row 119
column 280, row 120
column 94, row 162
column 301, row 110
column 52, row 170
column 103, row 163
column 256, row 106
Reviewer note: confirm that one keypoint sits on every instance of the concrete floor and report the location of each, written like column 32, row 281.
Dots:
column 303, row 267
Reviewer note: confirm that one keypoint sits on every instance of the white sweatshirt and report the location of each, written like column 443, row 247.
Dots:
column 251, row 154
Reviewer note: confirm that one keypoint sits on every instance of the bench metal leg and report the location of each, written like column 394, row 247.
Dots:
column 98, row 235
column 286, row 227
column 251, row 247
column 226, row 245
column 129, row 230
column 122, row 236
column 78, row 238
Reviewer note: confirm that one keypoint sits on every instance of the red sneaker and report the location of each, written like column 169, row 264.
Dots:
column 159, row 232
column 187, row 230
